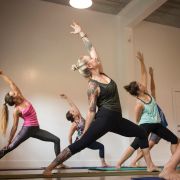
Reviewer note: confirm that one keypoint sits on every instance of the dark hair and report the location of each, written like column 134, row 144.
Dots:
column 132, row 88
column 9, row 100
column 69, row 117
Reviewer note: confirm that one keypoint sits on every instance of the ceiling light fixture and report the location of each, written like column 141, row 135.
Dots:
column 80, row 4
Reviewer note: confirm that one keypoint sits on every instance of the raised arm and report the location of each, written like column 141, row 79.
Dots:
column 11, row 84
column 144, row 79
column 92, row 98
column 90, row 48
column 152, row 82
column 70, row 102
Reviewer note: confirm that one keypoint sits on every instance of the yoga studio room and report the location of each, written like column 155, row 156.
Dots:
column 90, row 89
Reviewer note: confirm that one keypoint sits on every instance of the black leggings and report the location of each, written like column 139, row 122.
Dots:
column 158, row 129
column 109, row 121
column 32, row 131
column 97, row 145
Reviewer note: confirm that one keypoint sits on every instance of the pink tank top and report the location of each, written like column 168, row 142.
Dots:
column 29, row 116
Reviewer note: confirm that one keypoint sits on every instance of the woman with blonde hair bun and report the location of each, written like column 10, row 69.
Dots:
column 102, row 92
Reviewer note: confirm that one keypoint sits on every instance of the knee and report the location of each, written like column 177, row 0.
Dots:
column 101, row 146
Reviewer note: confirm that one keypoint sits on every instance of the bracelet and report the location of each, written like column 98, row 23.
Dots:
column 84, row 35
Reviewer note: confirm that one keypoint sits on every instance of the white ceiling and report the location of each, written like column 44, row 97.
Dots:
column 167, row 14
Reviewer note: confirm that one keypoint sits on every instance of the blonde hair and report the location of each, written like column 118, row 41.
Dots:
column 81, row 66
column 4, row 119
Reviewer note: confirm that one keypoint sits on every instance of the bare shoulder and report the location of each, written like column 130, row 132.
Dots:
column 139, row 105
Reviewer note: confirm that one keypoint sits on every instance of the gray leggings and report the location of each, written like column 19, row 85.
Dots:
column 35, row 132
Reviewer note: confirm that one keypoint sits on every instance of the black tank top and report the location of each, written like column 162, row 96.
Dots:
column 108, row 97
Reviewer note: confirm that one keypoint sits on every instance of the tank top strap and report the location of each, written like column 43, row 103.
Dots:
column 151, row 98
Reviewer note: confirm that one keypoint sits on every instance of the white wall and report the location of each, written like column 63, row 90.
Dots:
column 37, row 51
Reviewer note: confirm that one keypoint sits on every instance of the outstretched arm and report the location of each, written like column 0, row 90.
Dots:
column 152, row 82
column 70, row 102
column 90, row 48
column 144, row 79
column 71, row 132
column 11, row 84
column 138, row 112
column 92, row 97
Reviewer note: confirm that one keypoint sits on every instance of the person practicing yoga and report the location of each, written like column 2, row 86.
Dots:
column 78, row 124
column 102, row 92
column 146, row 114
column 154, row 139
column 22, row 109
column 169, row 172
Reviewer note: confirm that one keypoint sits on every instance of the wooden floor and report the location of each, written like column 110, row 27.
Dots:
column 73, row 174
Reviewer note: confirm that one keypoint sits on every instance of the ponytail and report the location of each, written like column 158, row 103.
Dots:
column 4, row 119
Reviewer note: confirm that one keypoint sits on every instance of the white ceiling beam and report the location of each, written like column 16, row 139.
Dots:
column 137, row 10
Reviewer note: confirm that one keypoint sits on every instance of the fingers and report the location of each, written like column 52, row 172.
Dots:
column 74, row 23
column 139, row 56
column 72, row 26
column 150, row 70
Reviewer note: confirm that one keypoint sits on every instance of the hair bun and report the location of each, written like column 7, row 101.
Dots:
column 74, row 67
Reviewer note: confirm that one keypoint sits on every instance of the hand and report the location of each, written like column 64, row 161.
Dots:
column 151, row 71
column 63, row 96
column 140, row 56
column 76, row 27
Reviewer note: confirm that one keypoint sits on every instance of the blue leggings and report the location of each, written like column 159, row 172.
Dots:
column 35, row 132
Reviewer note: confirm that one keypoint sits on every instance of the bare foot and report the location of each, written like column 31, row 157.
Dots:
column 153, row 169
column 46, row 172
column 62, row 166
column 169, row 174
column 133, row 165
column 104, row 164
column 118, row 166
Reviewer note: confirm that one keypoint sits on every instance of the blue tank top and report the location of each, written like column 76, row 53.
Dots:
column 150, row 112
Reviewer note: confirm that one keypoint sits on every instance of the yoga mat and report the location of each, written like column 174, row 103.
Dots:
column 119, row 169
column 123, row 168
column 74, row 174
column 147, row 178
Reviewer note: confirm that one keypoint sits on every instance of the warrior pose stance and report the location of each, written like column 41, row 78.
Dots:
column 103, row 93
column 147, row 114
column 22, row 109
column 154, row 139
column 78, row 124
